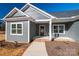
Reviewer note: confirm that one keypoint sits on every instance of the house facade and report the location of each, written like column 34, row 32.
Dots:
column 30, row 22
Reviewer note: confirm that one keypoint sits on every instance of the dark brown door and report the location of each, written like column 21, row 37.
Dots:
column 41, row 30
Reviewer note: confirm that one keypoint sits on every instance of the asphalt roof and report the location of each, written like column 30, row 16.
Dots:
column 65, row 13
column 61, row 14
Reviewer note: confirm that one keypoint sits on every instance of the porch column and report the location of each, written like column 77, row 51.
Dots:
column 50, row 29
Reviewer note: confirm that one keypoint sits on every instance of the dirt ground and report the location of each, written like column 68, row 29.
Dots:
column 2, row 36
column 10, row 49
column 59, row 48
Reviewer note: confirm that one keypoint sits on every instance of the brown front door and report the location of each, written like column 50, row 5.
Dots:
column 41, row 30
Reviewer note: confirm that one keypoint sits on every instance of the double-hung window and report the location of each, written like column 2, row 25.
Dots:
column 58, row 28
column 17, row 28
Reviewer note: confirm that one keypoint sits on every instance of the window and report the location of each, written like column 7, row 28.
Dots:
column 17, row 28
column 58, row 28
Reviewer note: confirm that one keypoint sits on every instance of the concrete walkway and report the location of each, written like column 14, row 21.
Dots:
column 36, row 49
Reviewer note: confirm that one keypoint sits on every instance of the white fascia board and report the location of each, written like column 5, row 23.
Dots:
column 43, row 20
column 64, row 18
column 23, row 6
column 9, row 13
column 68, row 17
column 75, row 16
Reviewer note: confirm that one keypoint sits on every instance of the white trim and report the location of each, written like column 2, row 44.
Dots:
column 17, row 10
column 68, row 17
column 50, row 30
column 16, row 27
column 39, row 29
column 24, row 6
column 9, row 12
column 28, row 31
column 58, row 28
column 65, row 18
column 6, row 30
column 42, row 20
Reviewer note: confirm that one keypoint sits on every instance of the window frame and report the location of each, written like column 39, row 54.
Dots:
column 16, row 23
column 59, row 29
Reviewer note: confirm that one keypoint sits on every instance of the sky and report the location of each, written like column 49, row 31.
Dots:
column 48, row 7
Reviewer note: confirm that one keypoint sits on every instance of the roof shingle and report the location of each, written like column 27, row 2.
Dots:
column 65, row 13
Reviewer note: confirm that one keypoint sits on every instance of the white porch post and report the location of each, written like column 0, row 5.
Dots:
column 50, row 29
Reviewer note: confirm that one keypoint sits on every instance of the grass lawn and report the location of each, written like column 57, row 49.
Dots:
column 60, row 48
column 10, row 49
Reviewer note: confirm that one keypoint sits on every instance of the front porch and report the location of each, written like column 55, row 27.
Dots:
column 48, row 30
column 43, row 30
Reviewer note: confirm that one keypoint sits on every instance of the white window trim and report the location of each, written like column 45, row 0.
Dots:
column 16, row 24
column 58, row 28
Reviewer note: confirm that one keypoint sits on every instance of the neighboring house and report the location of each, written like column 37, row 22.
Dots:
column 29, row 22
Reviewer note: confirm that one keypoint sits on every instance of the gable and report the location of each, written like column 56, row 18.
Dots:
column 18, row 14
column 15, row 13
column 35, row 13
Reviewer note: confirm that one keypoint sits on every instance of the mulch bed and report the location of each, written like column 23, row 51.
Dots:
column 10, row 49
column 60, row 48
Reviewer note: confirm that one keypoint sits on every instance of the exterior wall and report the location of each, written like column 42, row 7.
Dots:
column 71, row 30
column 19, row 38
column 32, row 30
column 46, row 28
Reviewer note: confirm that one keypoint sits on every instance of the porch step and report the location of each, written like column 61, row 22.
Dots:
column 41, row 40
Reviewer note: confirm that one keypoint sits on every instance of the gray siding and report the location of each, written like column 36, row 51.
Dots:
column 71, row 31
column 19, row 38
column 32, row 30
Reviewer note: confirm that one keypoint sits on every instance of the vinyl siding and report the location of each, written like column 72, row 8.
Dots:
column 19, row 38
column 71, row 31
column 32, row 30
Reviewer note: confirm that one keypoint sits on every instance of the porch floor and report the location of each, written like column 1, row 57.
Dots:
column 42, row 39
